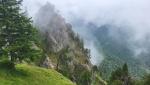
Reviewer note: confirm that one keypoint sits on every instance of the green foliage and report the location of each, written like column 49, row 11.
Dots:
column 63, row 61
column 31, row 75
column 111, row 63
column 116, row 52
column 82, row 75
column 85, row 78
column 95, row 78
column 116, row 75
column 17, row 35
column 76, row 72
column 121, row 77
column 147, row 80
column 125, row 70
column 117, row 82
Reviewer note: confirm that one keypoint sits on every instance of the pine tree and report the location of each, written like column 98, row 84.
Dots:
column 125, row 70
column 121, row 75
column 147, row 80
column 17, row 34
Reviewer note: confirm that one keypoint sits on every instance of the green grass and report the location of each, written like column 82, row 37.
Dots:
column 31, row 75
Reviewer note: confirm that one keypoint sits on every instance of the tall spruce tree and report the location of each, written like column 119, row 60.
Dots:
column 16, row 32
column 121, row 76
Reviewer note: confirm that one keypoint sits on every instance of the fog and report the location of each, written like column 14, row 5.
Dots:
column 132, row 16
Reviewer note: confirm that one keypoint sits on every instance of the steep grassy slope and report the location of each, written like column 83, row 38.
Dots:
column 31, row 75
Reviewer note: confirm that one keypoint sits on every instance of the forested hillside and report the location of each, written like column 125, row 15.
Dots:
column 117, row 52
column 64, row 49
column 48, row 50
column 50, row 44
column 113, row 43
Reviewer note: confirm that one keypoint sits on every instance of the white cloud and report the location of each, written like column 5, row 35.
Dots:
column 134, row 13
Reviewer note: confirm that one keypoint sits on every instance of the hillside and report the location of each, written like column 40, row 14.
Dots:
column 114, row 43
column 74, row 44
column 53, row 46
column 64, row 49
column 31, row 75
column 116, row 49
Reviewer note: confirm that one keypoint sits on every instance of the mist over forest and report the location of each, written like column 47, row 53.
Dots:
column 130, row 19
column 74, row 42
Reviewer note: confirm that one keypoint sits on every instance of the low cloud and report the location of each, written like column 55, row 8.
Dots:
column 133, row 16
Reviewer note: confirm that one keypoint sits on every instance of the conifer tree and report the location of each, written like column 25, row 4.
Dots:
column 121, row 76
column 125, row 70
column 17, row 34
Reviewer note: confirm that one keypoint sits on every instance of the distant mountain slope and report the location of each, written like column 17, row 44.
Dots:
column 117, row 51
column 31, row 75
column 113, row 42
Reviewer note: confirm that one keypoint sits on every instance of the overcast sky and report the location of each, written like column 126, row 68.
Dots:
column 93, row 8
column 133, row 12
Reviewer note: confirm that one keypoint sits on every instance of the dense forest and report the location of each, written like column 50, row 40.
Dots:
column 49, row 52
